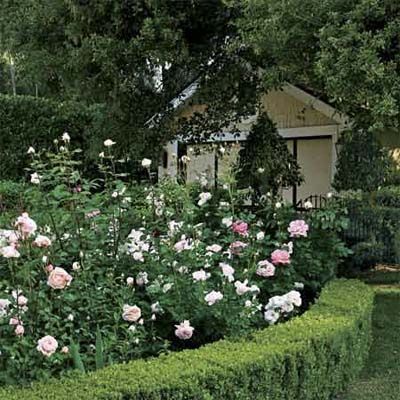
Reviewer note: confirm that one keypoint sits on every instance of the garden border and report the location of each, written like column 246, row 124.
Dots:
column 310, row 357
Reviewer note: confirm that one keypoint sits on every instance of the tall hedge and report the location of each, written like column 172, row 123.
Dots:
column 309, row 358
column 29, row 121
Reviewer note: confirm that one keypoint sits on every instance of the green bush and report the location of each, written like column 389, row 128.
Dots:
column 28, row 121
column 388, row 196
column 310, row 357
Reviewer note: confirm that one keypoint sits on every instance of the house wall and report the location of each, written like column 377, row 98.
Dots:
column 296, row 120
column 288, row 112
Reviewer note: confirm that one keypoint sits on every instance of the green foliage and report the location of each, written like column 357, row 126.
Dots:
column 134, row 56
column 27, row 121
column 100, row 362
column 313, row 356
column 388, row 196
column 156, row 249
column 265, row 163
column 76, row 357
column 11, row 195
column 345, row 51
column 362, row 162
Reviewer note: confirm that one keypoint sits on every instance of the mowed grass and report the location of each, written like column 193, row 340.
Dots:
column 380, row 379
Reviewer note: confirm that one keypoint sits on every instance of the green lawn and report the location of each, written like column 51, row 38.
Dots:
column 380, row 379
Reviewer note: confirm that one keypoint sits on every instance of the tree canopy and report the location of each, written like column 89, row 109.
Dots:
column 345, row 51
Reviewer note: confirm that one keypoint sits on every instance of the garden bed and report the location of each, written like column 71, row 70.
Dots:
column 309, row 357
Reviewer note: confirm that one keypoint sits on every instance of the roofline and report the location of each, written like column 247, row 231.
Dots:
column 316, row 103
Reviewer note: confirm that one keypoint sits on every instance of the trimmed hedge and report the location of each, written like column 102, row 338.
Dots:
column 29, row 121
column 310, row 357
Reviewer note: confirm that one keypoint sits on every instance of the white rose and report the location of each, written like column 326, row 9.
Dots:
column 146, row 163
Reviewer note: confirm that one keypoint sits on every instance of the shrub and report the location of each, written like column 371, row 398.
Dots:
column 115, row 272
column 29, row 121
column 310, row 357
column 388, row 196
column 267, row 173
column 362, row 162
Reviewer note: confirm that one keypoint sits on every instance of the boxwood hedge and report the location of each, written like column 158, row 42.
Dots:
column 310, row 357
column 29, row 121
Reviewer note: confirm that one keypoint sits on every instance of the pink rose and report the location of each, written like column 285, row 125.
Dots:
column 131, row 313
column 240, row 227
column 237, row 247
column 47, row 345
column 10, row 236
column 215, row 248
column 27, row 226
column 212, row 297
column 227, row 271
column 65, row 350
column 15, row 321
column 9, row 252
column 265, row 269
column 280, row 257
column 298, row 228
column 184, row 331
column 19, row 330
column 200, row 275
column 59, row 278
column 42, row 241
column 22, row 301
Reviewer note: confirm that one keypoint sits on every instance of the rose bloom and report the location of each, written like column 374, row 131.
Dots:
column 227, row 221
column 27, row 226
column 19, row 330
column 65, row 350
column 215, row 248
column 298, row 228
column 109, row 143
column 200, row 275
column 142, row 278
column 184, row 331
column 237, row 247
column 295, row 297
column 227, row 271
column 240, row 227
column 22, row 301
column 42, row 241
column 15, row 321
column 265, row 269
column 241, row 287
column 130, row 281
column 204, row 197
column 280, row 257
column 271, row 316
column 9, row 252
column 59, row 278
column 47, row 345
column 146, row 163
column 4, row 305
column 212, row 297
column 131, row 313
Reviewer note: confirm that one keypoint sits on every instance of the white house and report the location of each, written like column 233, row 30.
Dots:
column 310, row 127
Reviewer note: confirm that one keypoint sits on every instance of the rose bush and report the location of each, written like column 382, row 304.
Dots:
column 100, row 272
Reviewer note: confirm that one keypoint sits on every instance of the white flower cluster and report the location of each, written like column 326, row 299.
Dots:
column 136, row 246
column 279, row 305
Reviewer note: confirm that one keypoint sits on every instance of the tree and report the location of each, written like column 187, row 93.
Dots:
column 362, row 162
column 344, row 51
column 132, row 55
column 265, row 163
